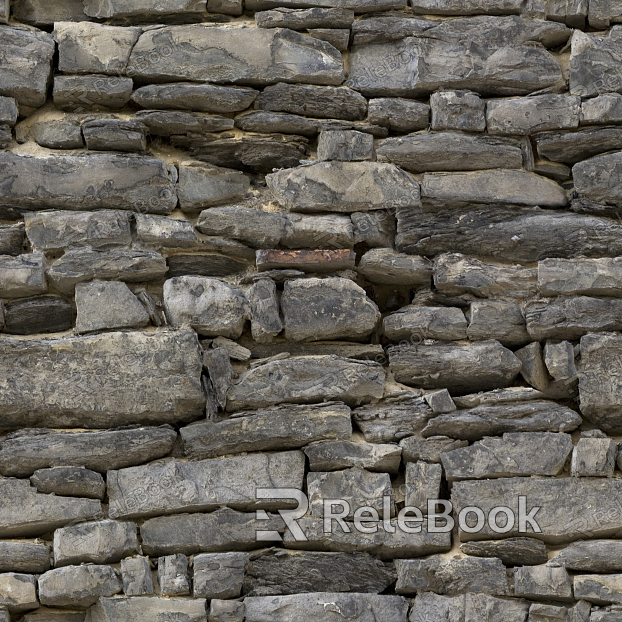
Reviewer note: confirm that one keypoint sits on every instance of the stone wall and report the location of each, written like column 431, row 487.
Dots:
column 260, row 254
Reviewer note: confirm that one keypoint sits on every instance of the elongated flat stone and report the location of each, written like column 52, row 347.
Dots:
column 68, row 481
column 301, row 19
column 599, row 179
column 129, row 8
column 307, row 380
column 203, row 486
column 599, row 589
column 337, row 455
column 366, row 6
column 447, row 323
column 206, row 186
column 587, row 277
column 24, row 557
column 145, row 609
column 83, row 182
column 467, row 7
column 281, row 427
column 512, row 552
column 306, row 260
column 591, row 556
column 92, row 92
column 385, row 266
column 23, row 275
column 196, row 54
column 573, row 147
column 11, row 239
column 92, row 382
column 78, row 586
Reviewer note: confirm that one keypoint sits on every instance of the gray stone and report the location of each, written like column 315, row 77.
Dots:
column 559, row 517
column 599, row 589
column 253, row 226
column 218, row 365
column 79, row 265
column 345, row 145
column 387, row 267
column 466, row 7
column 542, row 582
column 326, row 607
column 307, row 380
column 18, row 592
column 26, row 82
column 490, row 419
column 356, row 486
column 22, row 276
column 146, row 609
column 69, row 482
column 39, row 314
column 333, row 308
column 497, row 319
column 533, row 370
column 417, row 323
column 172, row 122
column 126, row 8
column 60, row 230
column 58, row 134
column 528, row 115
column 590, row 556
column 226, row 611
column 204, row 264
column 301, row 19
column 606, row 108
column 236, row 351
column 8, row 111
column 100, row 542
column 163, row 232
column 415, row 449
column 220, row 531
column 91, row 92
column 315, row 261
column 11, row 239
column 302, row 59
column 571, row 317
column 511, row 552
column 459, row 368
column 573, row 147
column 594, row 457
column 423, row 482
column 225, row 7
column 91, row 382
column 451, row 577
column 603, row 12
column 24, row 452
column 327, row 186
column 200, row 97
column 399, row 115
column 451, row 151
column 136, row 575
column 553, row 170
column 500, row 187
column 559, row 360
column 204, row 485
column 388, row 27
column 55, row 616
column 458, row 110
column 41, row 14
column 602, row 616
column 219, row 575
column 203, row 186
column 82, row 182
column 339, row 38
column 265, row 319
column 599, row 179
column 534, row 453
column 78, row 587
column 31, row 557
column 115, row 135
column 589, row 277
column 173, row 578
column 208, row 305
column 337, row 455
column 266, row 122
column 86, row 48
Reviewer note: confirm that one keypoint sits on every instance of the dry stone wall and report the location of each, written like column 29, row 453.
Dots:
column 277, row 276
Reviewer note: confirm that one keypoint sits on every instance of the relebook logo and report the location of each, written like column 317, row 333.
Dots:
column 338, row 514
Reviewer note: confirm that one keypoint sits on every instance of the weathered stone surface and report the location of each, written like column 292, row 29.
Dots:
column 388, row 27
column 205, row 264
column 24, row 452
column 100, row 542
column 497, row 319
column 450, row 151
column 208, row 305
column 326, row 607
column 554, row 170
column 305, row 260
column 490, row 419
column 419, row 323
column 8, row 111
column 136, row 575
column 504, row 187
column 91, row 382
column 337, row 455
column 606, row 108
column 327, row 186
column 594, row 457
column 200, row 97
column 58, row 134
column 89, row 48
column 203, row 186
column 459, row 368
column 226, row 611
column 173, row 578
column 39, row 314
column 466, row 7
column 145, row 609
column 367, row 6
column 39, row 13
column 387, row 267
column 55, row 616
column 333, row 308
column 339, row 38
column 265, row 317
column 458, row 110
column 307, row 380
column 69, row 482
column 280, row 427
column 528, row 115
column 92, row 92
column 560, row 518
column 126, row 8
column 204, row 485
column 539, row 612
column 266, row 122
column 559, row 360
column 589, row 277
column 599, row 589
column 172, row 122
column 601, row 616
column 415, row 449
column 56, row 230
column 531, row 453
column 219, row 575
column 542, row 582
column 393, row 418
column 301, row 19
column 507, row 234
column 23, row 275
column 599, row 179
column 82, row 182
column 345, row 146
column 511, row 552
column 114, row 135
column 24, row 557
column 18, row 592
column 591, row 556
column 573, row 147
column 423, row 482
column 276, row 571
column 11, row 239
column 197, row 53
column 399, row 115
column 26, row 82
column 163, row 232
column 223, row 530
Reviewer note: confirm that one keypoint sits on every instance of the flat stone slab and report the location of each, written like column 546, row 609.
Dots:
column 591, row 556
column 587, row 277
column 571, row 147
column 203, row 486
column 417, row 323
column 599, row 179
column 337, row 455
column 386, row 267
column 301, row 19
column 69, row 481
column 306, row 260
column 91, row 382
column 127, row 8
column 24, row 557
column 83, row 182
column 599, row 589
column 512, row 552
column 145, row 609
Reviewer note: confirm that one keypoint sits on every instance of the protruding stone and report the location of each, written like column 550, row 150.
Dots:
column 302, row 19
column 594, row 457
column 18, row 592
column 590, row 556
column 163, row 232
column 345, row 145
column 30, row 557
column 606, row 108
column 387, row 267
column 39, row 314
column 136, row 575
column 91, row 92
column 599, row 589
column 8, row 111
column 587, row 277
column 173, row 578
column 458, row 110
column 219, row 575
column 599, row 178
column 533, row 370
column 559, row 360
column 175, row 122
column 399, row 115
column 512, row 552
column 58, row 134
column 542, row 583
column 419, row 323
column 338, row 455
column 265, row 317
column 572, row 147
column 502, row 320
column 69, row 482
column 306, row 260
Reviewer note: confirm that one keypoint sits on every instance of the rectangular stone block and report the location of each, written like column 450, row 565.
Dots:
column 136, row 576
column 219, row 575
column 18, row 592
column 337, row 455
column 145, row 609
column 130, row 8
column 92, row 92
column 306, row 260
column 587, row 277
column 11, row 239
column 23, row 275
column 29, row 557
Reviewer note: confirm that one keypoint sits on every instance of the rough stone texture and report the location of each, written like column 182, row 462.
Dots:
column 589, row 277
column 58, row 135
column 400, row 115
column 39, row 314
column 594, row 457
column 345, row 145
column 23, row 556
column 431, row 449
column 598, row 589
column 419, row 323
column 124, row 8
column 91, row 92
column 136, row 575
column 219, row 575
column 512, row 552
column 69, row 482
column 590, row 556
column 572, row 147
column 337, row 455
column 22, row 276
column 606, row 108
column 302, row 19
column 588, row 53
column 385, row 266
column 206, row 186
column 173, row 578
column 18, row 592
column 501, row 320
column 423, row 482
column 8, row 111
column 598, row 179
column 542, row 582
column 458, row 110
column 145, row 609
column 78, row 586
